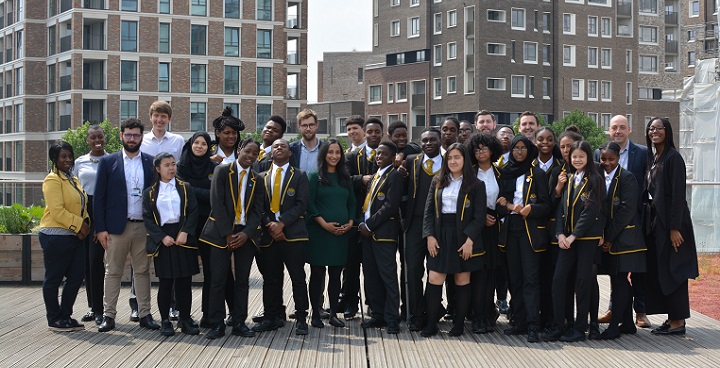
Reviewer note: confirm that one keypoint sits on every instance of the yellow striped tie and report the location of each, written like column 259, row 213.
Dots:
column 238, row 204
column 372, row 155
column 261, row 154
column 369, row 193
column 275, row 202
column 501, row 161
column 429, row 167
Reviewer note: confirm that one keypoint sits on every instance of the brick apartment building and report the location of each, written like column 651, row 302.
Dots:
column 63, row 62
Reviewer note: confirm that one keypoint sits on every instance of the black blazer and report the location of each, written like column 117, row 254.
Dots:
column 414, row 167
column 535, row 193
column 623, row 227
column 296, row 149
column 110, row 203
column 358, row 165
column 188, row 216
column 575, row 218
column 637, row 165
column 555, row 170
column 223, row 197
column 384, row 221
column 471, row 209
column 294, row 198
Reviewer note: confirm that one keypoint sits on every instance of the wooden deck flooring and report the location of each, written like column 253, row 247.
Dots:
column 26, row 342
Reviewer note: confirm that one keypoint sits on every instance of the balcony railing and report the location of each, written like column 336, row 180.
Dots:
column 94, row 4
column 671, row 18
column 65, row 121
column 671, row 47
column 292, row 93
column 624, row 10
column 292, row 58
column 65, row 43
column 470, row 29
column 65, row 5
column 417, row 101
column 293, row 23
column 95, row 83
column 469, row 62
column 65, row 82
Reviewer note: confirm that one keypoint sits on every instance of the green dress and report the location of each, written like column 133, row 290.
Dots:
column 334, row 203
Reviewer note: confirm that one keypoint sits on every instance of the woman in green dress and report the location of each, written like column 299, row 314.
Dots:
column 332, row 203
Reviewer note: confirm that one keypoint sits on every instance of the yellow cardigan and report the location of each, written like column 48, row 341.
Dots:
column 63, row 205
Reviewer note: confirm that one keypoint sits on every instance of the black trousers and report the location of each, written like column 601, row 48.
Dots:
column 183, row 296
column 64, row 258
column 381, row 279
column 547, row 271
column 316, row 287
column 270, row 262
column 413, row 270
column 524, row 274
column 638, row 295
column 351, row 274
column 204, row 250
column 580, row 257
column 622, row 299
column 501, row 277
column 483, row 290
column 221, row 261
column 94, row 268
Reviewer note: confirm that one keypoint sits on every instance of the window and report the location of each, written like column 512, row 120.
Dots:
column 569, row 24
column 232, row 79
column 568, row 55
column 198, row 116
column 375, row 94
column 163, row 77
column 451, row 85
column 129, row 5
column 691, row 36
column 547, row 21
column 128, row 36
column 128, row 109
column 628, row 61
column 648, row 35
column 262, row 114
column 232, row 41
column 128, row 75
column 496, row 15
column 606, row 91
column 531, row 86
column 592, row 57
column 592, row 26
column 648, row 64
column 395, row 28
column 605, row 121
column 232, row 9
column 452, row 18
column 437, row 90
column 512, row 51
column 530, row 52
column 496, row 84
column 19, row 45
column 164, row 6
column 648, row 6
column 496, row 48
column 452, row 50
column 694, row 8
column 628, row 93
column 517, row 20
column 164, row 38
column 51, row 41
column 264, row 44
column 414, row 2
column 592, row 90
column 50, row 77
column 605, row 27
column 414, row 27
column 19, row 81
column 198, row 39
column 264, row 9
column 198, row 7
column 394, row 2
column 546, row 88
column 691, row 58
column 401, row 91
column 437, row 24
column 577, row 89
column 264, row 81
column 606, row 58
column 517, row 86
column 649, row 94
column 198, row 78
column 391, row 92
column 437, row 57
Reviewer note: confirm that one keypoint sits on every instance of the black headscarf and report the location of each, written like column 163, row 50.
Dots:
column 514, row 169
column 194, row 169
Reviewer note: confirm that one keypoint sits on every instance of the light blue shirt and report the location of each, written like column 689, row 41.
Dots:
column 308, row 158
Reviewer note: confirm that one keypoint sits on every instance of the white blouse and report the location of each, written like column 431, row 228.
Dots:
column 450, row 196
column 492, row 189
column 168, row 203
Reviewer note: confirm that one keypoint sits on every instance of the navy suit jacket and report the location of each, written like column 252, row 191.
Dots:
column 296, row 149
column 110, row 200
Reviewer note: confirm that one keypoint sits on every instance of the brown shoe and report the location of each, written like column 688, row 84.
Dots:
column 641, row 320
column 606, row 318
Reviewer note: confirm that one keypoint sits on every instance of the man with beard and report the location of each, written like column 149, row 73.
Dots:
column 121, row 179
column 305, row 151
column 449, row 130
column 485, row 121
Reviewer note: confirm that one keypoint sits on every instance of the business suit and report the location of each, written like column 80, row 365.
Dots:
column 224, row 196
column 127, row 236
column 294, row 198
column 380, row 250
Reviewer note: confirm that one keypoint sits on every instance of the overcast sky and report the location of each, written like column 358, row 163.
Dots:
column 336, row 25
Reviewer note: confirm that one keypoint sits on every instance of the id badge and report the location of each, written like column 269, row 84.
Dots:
column 136, row 192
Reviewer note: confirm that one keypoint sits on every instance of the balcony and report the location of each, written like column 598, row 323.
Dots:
column 8, row 55
column 470, row 29
column 94, row 4
column 65, row 5
column 671, row 47
column 93, row 35
column 417, row 101
column 470, row 62
column 65, row 83
column 624, row 10
column 293, row 59
column 65, row 122
column 292, row 93
column 671, row 18
column 8, row 90
column 65, row 43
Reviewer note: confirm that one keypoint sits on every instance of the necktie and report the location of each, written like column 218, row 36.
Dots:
column 275, row 202
column 238, row 204
column 369, row 193
column 501, row 161
column 261, row 154
column 372, row 155
column 429, row 167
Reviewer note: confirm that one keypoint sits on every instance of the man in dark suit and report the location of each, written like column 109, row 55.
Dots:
column 305, row 151
column 633, row 158
column 362, row 166
column 121, row 178
column 283, row 240
column 236, row 198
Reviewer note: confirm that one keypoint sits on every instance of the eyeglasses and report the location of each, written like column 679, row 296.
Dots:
column 132, row 136
column 524, row 149
column 506, row 135
column 482, row 149
column 465, row 130
column 307, row 126
column 654, row 128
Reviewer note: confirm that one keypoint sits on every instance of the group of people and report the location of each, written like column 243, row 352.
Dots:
column 471, row 208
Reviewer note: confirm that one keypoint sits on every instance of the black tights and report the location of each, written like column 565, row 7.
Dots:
column 183, row 296
column 317, row 286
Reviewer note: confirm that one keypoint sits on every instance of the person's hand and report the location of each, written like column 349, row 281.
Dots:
column 514, row 207
column 569, row 240
column 331, row 227
column 399, row 160
column 366, row 180
column 676, row 239
column 216, row 158
column 276, row 229
column 232, row 241
column 562, row 242
column 562, row 179
column 242, row 238
column 606, row 246
column 181, row 238
column 432, row 246
column 525, row 211
column 629, row 278
column 84, row 231
column 501, row 201
column 104, row 239
column 365, row 231
column 403, row 170
column 490, row 220
column 466, row 249
column 168, row 241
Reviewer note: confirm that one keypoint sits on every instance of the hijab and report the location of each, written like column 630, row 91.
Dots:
column 514, row 168
column 193, row 168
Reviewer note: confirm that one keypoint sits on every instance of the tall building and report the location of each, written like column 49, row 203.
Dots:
column 69, row 61
column 700, row 33
column 444, row 58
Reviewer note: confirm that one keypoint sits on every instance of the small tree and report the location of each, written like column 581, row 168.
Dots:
column 78, row 138
column 589, row 129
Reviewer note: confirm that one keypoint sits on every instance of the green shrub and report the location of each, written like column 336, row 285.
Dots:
column 17, row 219
column 78, row 138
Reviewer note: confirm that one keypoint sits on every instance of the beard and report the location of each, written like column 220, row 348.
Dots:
column 131, row 149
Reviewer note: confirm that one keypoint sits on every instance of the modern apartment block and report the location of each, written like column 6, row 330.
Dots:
column 63, row 62
column 699, row 33
column 445, row 58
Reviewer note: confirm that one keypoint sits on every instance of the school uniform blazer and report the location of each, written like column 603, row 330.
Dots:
column 263, row 165
column 110, row 198
column 623, row 229
column 414, row 167
column 296, row 149
column 151, row 216
column 358, row 165
column 553, row 173
column 224, row 192
column 470, row 211
column 637, row 165
column 535, row 194
column 575, row 218
column 294, row 198
column 384, row 221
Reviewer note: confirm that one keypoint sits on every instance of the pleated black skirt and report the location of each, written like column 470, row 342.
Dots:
column 448, row 260
column 175, row 261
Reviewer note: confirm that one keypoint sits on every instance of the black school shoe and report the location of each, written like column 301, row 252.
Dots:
column 167, row 328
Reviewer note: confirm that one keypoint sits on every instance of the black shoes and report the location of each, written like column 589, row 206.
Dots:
column 188, row 326
column 666, row 330
column 350, row 314
column 149, row 323
column 174, row 314
column 393, row 328
column 374, row 323
column 241, row 329
column 573, row 336
column 532, row 336
column 610, row 333
column 429, row 330
column 167, row 328
column 552, row 334
column 59, row 325
column 89, row 316
column 268, row 325
column 107, row 324
column 479, row 326
column 134, row 317
column 98, row 319
column 74, row 325
column 216, row 332
column 229, row 320
column 336, row 322
column 502, row 306
column 316, row 322
column 205, row 322
column 594, row 332
column 515, row 330
column 301, row 327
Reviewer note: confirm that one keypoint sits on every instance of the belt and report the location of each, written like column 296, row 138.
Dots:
column 131, row 220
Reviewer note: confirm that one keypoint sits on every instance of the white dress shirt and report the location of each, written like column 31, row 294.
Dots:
column 545, row 166
column 168, row 203
column 241, row 198
column 578, row 177
column 273, row 170
column 608, row 179
column 450, row 195
column 437, row 162
column 134, row 181
column 492, row 189
column 226, row 159
column 518, row 194
column 379, row 174
column 170, row 142
column 354, row 148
